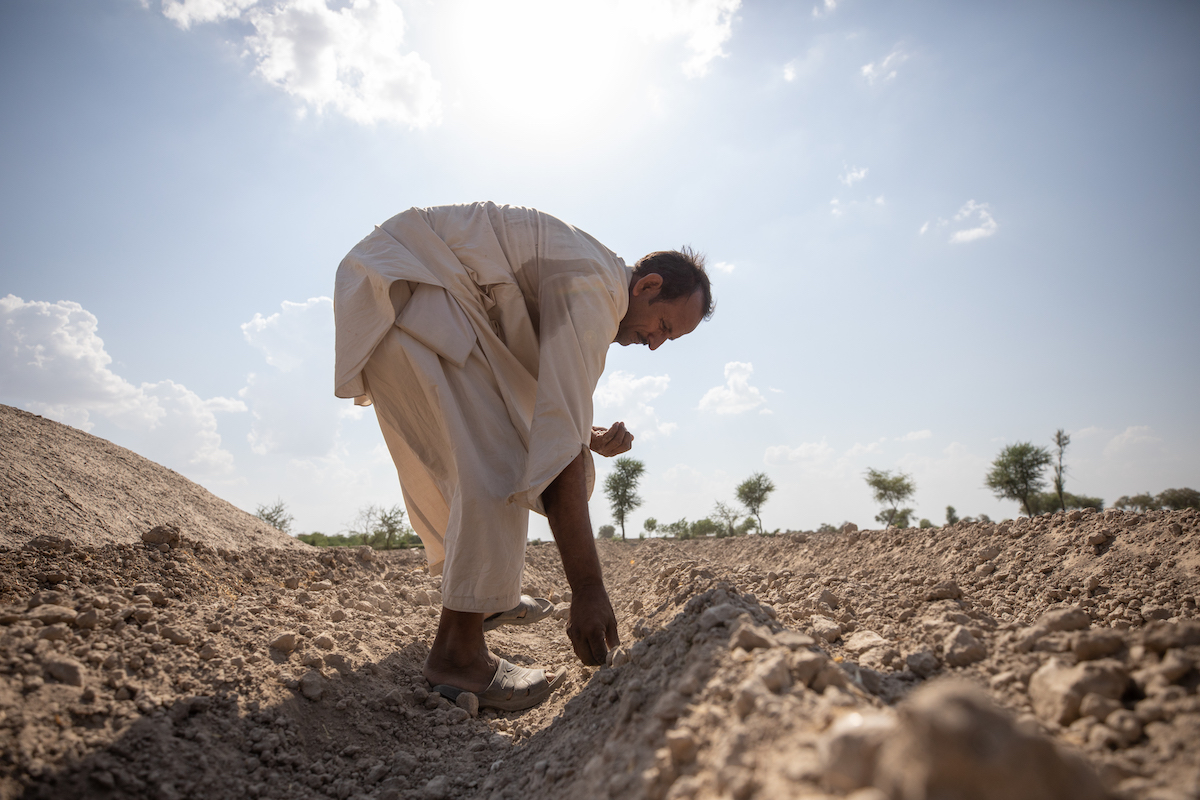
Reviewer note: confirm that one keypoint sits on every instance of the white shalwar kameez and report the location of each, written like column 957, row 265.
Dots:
column 479, row 332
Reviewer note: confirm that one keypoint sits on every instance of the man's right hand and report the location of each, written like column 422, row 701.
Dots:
column 611, row 441
column 592, row 626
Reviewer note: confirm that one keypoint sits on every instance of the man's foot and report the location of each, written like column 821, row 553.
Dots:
column 511, row 688
column 473, row 675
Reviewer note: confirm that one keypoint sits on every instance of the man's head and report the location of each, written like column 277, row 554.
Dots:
column 669, row 295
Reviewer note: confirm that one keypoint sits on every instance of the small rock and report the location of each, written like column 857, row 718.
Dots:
column 312, row 685
column 162, row 534
column 923, row 663
column 55, row 633
column 1153, row 613
column 774, row 673
column 1065, row 619
column 321, row 586
column 805, row 665
column 1093, row 644
column 946, row 590
column 208, row 651
column 339, row 661
column 1056, row 690
column 823, row 595
column 849, row 750
column 749, row 636
column 1162, row 636
column 1099, row 538
column 469, row 702
column 292, row 582
column 65, row 670
column 987, row 553
column 864, row 640
column 324, row 641
column 437, row 788
column 338, row 615
column 284, row 642
column 50, row 614
column 747, row 696
column 962, row 648
column 87, row 620
column 825, row 628
column 1097, row 706
column 458, row 714
column 719, row 615
column 683, row 746
column 175, row 635
column 953, row 742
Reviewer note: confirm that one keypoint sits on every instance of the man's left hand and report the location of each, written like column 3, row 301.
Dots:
column 611, row 441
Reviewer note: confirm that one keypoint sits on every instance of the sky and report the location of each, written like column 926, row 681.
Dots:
column 934, row 229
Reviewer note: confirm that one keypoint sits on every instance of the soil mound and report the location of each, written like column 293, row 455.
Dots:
column 1046, row 658
column 58, row 481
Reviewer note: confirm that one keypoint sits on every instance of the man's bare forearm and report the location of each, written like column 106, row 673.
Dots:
column 565, row 500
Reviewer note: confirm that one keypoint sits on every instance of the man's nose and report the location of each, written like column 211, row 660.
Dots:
column 656, row 340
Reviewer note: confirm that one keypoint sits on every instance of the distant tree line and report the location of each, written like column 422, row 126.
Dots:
column 382, row 528
column 620, row 487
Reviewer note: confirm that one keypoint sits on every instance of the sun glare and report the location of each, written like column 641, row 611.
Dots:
column 542, row 69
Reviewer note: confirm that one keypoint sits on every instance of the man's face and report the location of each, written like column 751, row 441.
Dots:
column 650, row 323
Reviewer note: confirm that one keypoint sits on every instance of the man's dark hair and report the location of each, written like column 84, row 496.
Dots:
column 682, row 272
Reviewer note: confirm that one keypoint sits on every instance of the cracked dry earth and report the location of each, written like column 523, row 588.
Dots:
column 182, row 651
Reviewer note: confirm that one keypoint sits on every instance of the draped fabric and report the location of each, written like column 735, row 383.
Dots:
column 495, row 305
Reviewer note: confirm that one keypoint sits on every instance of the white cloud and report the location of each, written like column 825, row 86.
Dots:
column 924, row 228
column 886, row 69
column 835, row 207
column 626, row 398
column 293, row 405
column 724, row 266
column 807, row 451
column 789, row 71
column 347, row 58
column 853, row 175
column 705, row 25
column 737, row 395
column 859, row 449
column 986, row 224
column 54, row 363
column 913, row 436
column 1133, row 438
column 825, row 8
column 185, row 12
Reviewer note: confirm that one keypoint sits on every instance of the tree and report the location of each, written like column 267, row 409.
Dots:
column 704, row 527
column 382, row 528
column 891, row 490
column 276, row 516
column 1138, row 502
column 727, row 516
column 926, row 524
column 621, row 488
column 951, row 515
column 606, row 531
column 1061, row 440
column 1017, row 473
column 1178, row 499
column 753, row 493
column 1044, row 502
column 650, row 525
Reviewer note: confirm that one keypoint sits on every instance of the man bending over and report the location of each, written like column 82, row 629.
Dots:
column 479, row 333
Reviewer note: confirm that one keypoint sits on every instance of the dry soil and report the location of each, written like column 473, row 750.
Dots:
column 155, row 642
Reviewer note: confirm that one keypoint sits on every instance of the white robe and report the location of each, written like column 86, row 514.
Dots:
column 486, row 328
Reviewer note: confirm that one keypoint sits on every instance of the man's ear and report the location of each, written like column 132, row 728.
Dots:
column 651, row 283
